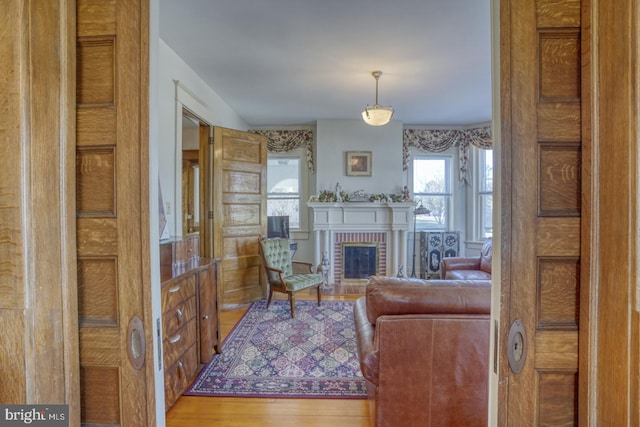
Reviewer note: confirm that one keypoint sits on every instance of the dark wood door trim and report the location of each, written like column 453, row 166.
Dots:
column 37, row 295
column 610, row 342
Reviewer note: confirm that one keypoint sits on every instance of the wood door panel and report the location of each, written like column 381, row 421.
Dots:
column 97, row 236
column 95, row 181
column 242, row 214
column 242, row 147
column 559, row 177
column 96, row 17
column 558, row 14
column 559, row 121
column 240, row 199
column 558, row 296
column 99, row 395
column 99, row 346
column 244, row 247
column 558, row 237
column 96, row 127
column 112, row 211
column 238, row 239
column 97, row 293
column 237, row 297
column 240, row 208
column 559, row 65
column 556, row 350
column 559, row 393
column 241, row 279
column 242, row 182
column 96, row 71
column 543, row 193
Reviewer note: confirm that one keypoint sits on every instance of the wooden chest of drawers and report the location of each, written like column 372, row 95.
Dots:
column 190, row 326
column 179, row 345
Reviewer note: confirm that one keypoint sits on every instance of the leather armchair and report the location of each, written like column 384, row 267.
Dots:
column 469, row 268
column 423, row 348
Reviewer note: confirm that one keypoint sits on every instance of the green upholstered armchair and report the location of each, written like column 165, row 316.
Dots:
column 276, row 258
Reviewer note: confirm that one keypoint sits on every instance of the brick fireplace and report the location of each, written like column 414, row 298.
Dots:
column 380, row 227
column 366, row 248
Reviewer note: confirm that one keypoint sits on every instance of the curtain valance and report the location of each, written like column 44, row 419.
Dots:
column 282, row 141
column 439, row 140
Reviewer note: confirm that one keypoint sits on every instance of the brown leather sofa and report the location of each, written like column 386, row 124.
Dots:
column 423, row 348
column 468, row 268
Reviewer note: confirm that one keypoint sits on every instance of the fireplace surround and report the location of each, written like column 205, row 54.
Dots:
column 383, row 225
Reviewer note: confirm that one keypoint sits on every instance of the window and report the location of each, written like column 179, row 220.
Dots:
column 485, row 194
column 283, row 187
column 432, row 188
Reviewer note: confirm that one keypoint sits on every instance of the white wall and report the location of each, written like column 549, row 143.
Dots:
column 207, row 104
column 335, row 137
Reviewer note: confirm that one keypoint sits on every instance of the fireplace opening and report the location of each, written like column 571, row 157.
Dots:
column 359, row 260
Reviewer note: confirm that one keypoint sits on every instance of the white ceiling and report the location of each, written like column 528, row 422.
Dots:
column 289, row 62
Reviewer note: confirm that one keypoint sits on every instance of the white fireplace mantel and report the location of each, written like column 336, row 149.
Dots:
column 394, row 219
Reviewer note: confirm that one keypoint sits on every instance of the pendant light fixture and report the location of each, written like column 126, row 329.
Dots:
column 377, row 115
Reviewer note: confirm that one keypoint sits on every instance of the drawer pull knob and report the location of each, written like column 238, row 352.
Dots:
column 174, row 289
column 205, row 317
column 174, row 339
column 180, row 316
column 181, row 370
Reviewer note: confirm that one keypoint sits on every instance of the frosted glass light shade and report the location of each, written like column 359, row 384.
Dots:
column 377, row 115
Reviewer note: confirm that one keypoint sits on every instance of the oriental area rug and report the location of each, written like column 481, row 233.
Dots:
column 268, row 354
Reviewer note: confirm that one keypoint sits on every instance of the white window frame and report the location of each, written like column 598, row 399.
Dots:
column 480, row 193
column 302, row 231
column 450, row 184
column 476, row 193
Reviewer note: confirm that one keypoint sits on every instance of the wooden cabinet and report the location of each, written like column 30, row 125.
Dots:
column 190, row 325
column 179, row 345
column 208, row 312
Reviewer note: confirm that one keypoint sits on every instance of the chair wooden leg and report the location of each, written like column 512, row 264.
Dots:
column 319, row 297
column 269, row 298
column 292, row 304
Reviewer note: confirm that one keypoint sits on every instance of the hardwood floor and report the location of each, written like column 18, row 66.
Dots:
column 250, row 412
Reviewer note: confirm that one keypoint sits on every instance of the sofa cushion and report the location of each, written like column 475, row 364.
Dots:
column 486, row 255
column 392, row 296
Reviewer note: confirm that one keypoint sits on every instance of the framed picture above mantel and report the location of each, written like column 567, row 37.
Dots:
column 358, row 163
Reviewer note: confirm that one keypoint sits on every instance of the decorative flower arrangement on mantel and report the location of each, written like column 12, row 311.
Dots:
column 338, row 196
